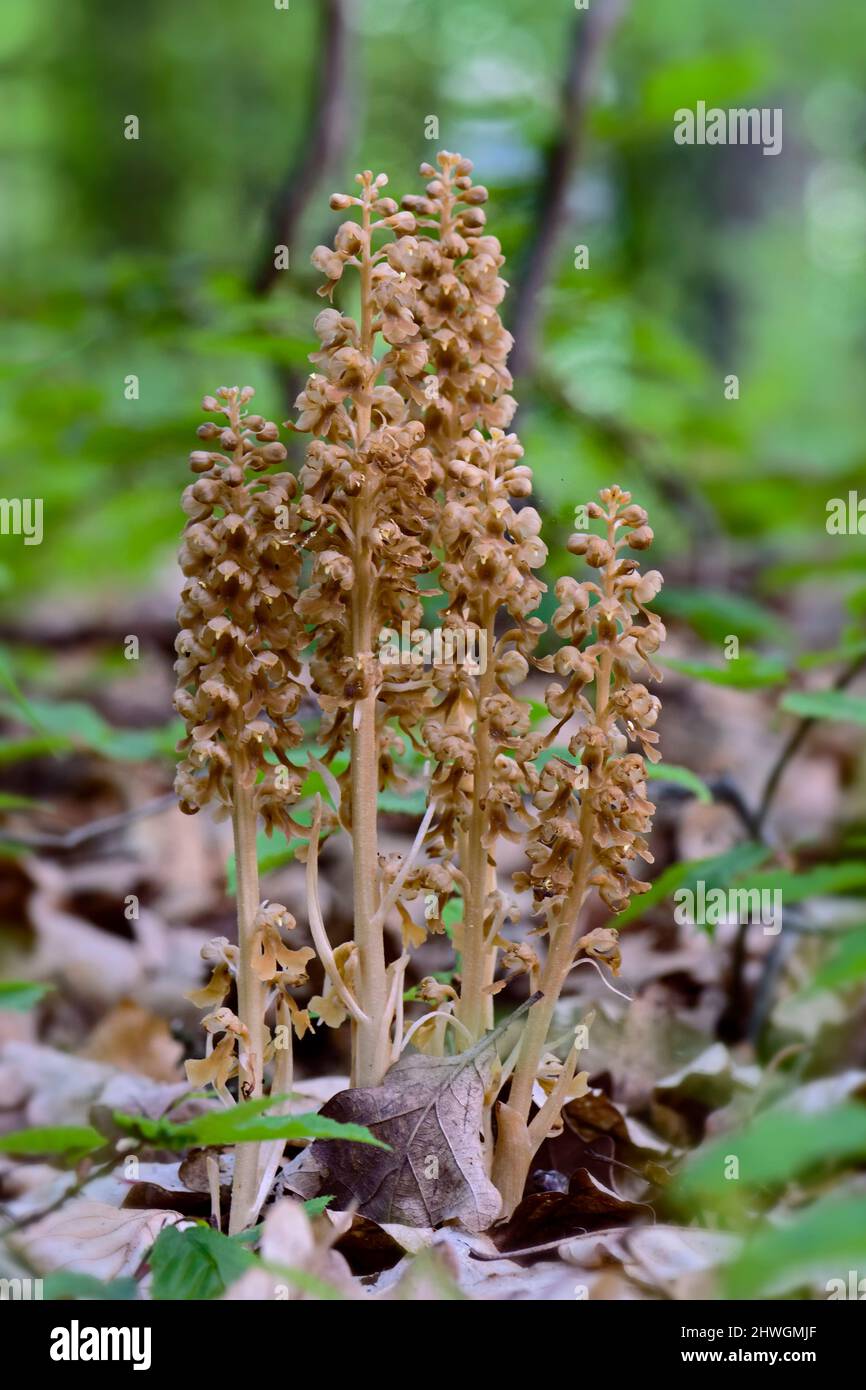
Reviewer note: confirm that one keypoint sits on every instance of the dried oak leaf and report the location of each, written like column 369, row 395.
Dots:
column 92, row 1238
column 370, row 1248
column 549, row 1216
column 429, row 1111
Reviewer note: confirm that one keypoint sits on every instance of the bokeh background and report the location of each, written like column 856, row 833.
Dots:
column 154, row 258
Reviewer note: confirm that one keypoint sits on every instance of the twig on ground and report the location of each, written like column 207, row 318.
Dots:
column 93, row 830
column 322, row 145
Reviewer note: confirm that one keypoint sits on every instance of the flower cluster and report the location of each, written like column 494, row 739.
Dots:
column 460, row 288
column 276, row 966
column 239, row 640
column 491, row 553
column 490, row 546
column 369, row 482
column 596, row 806
column 410, row 480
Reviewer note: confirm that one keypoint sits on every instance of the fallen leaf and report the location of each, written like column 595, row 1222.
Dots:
column 370, row 1247
column 298, row 1263
column 447, row 1269
column 824, row 1093
column 595, row 1113
column 429, row 1111
column 552, row 1216
column 313, row 1092
column 667, row 1255
column 93, row 1238
column 136, row 1040
column 710, row 1077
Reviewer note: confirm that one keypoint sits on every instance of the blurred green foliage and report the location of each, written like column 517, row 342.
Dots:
column 134, row 257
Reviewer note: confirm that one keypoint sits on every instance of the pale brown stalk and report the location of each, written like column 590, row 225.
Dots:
column 474, row 1008
column 369, row 1056
column 251, row 998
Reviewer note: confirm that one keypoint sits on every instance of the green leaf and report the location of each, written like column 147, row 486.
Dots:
column 810, row 661
column 18, row 750
column 70, row 724
column 71, row 1140
column 196, row 1263
column 825, row 704
column 286, row 350
column 823, row 1242
column 412, row 803
column 10, row 801
column 777, row 1147
column 21, row 995
column 244, row 1123
column 546, row 754
column 846, row 964
column 681, row 776
column 16, row 694
column 746, row 672
column 715, row 615
column 810, row 883
column 717, row 871
column 314, row 1206
column 71, row 1284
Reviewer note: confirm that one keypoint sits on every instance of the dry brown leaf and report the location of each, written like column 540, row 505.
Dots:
column 447, row 1269
column 134, row 1039
column 370, row 1247
column 313, row 1092
column 671, row 1257
column 547, row 1216
column 429, row 1111
column 92, row 1238
column 290, row 1241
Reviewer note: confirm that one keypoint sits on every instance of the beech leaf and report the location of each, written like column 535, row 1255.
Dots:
column 428, row 1110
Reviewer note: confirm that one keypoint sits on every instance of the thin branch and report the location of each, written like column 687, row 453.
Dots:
column 321, row 147
column 94, row 830
column 592, row 27
column 796, row 739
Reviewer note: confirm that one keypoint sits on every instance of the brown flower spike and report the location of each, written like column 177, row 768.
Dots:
column 592, row 817
column 411, row 487
column 490, row 551
column 369, row 505
column 237, row 668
